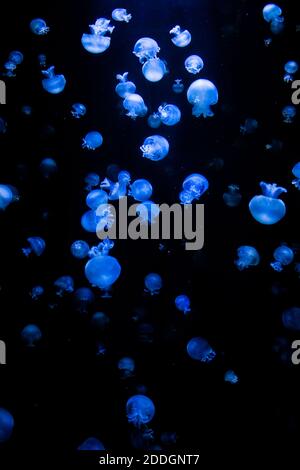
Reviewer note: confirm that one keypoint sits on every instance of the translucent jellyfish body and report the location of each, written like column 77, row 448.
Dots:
column 91, row 443
column 96, row 42
column 267, row 208
column 78, row 110
column 64, row 285
column 249, row 127
column 291, row 318
column 16, row 57
column 120, row 14
column 283, row 256
column 154, row 69
column 155, row 148
column 296, row 173
column 89, row 221
column 48, row 167
column 180, row 38
column 153, row 283
column 36, row 246
column 92, row 180
column 140, row 410
column 290, row 68
column 95, row 198
column 103, row 271
column 232, row 196
column 118, row 189
column 42, row 58
column 183, row 303
column 83, row 298
column 7, row 424
column 148, row 211
column 100, row 321
column 80, row 249
column 39, row 27
column 178, row 86
column 26, row 110
column 141, row 190
column 10, row 68
column 202, row 94
column 272, row 14
column 125, row 87
column 6, row 196
column 288, row 113
column 194, row 186
column 53, row 84
column 92, row 140
column 145, row 49
column 247, row 256
column 231, row 377
column 126, row 366
column 194, row 64
column 135, row 106
column 199, row 349
column 154, row 121
column 31, row 335
column 36, row 292
column 169, row 114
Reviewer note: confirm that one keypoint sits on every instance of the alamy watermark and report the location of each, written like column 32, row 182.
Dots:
column 296, row 93
column 296, row 353
column 2, row 92
column 2, row 353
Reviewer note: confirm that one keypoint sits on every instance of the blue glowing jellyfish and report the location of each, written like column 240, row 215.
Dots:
column 194, row 64
column 249, row 127
column 6, row 196
column 291, row 318
column 183, row 303
column 16, row 57
column 135, row 106
column 154, row 69
column 290, row 68
column 26, row 110
column 95, row 198
column 10, row 68
column 7, row 424
column 178, row 86
column 92, row 140
column 91, row 443
column 78, row 110
column 141, row 190
column 100, row 321
column 89, row 221
column 267, row 209
column 232, row 196
column 36, row 245
column 120, row 14
column 140, row 410
column 194, row 186
column 288, row 113
column 48, row 167
column 36, row 292
column 31, row 335
column 271, row 11
column 153, row 283
column 145, row 49
column 247, row 256
column 155, row 148
column 3, row 126
column 103, row 271
column 83, row 298
column 296, row 173
column 92, row 180
column 202, row 94
column 148, row 211
column 283, row 256
column 53, row 84
column 42, row 58
column 169, row 114
column 80, row 249
column 125, row 87
column 64, row 285
column 154, row 121
column 39, row 27
column 180, row 38
column 96, row 42
column 231, row 377
column 126, row 366
column 199, row 349
column 119, row 189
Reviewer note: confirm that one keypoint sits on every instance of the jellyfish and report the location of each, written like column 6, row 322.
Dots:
column 126, row 366
column 6, row 196
column 31, row 335
column 155, row 148
column 247, row 256
column 145, row 49
column 53, row 84
column 267, row 208
column 153, row 283
column 64, row 285
column 288, row 113
column 92, row 180
column 290, row 68
column 10, row 68
column 232, row 196
column 80, row 249
column 283, row 256
column 120, row 14
column 141, row 190
column 180, row 38
column 103, row 271
column 100, row 321
column 124, row 88
column 106, row 218
column 83, row 298
column 277, row 25
column 37, row 246
column 27, row 110
column 296, row 173
column 291, row 318
column 183, row 303
column 92, row 140
column 119, row 189
column 202, row 94
column 78, row 110
column 36, row 292
column 169, row 114
column 154, row 121
column 39, row 27
column 154, row 69
column 194, row 186
column 135, row 106
column 249, row 127
column 194, row 64
column 148, row 211
column 96, row 42
column 89, row 221
column 48, row 167
column 178, row 86
column 140, row 410
column 3, row 126
column 272, row 14
column 231, row 377
column 199, row 349
column 103, row 248
column 91, row 443
column 16, row 57
column 7, row 424
column 95, row 198
column 42, row 60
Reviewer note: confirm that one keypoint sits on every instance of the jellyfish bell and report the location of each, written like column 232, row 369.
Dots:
column 78, row 110
column 7, row 424
column 102, row 271
column 92, row 180
column 267, row 208
column 83, row 298
column 124, row 87
column 246, row 256
column 183, row 303
column 48, row 167
column 80, row 249
column 120, row 14
column 126, row 366
column 232, row 196
column 6, row 196
column 89, row 221
column 16, row 57
column 148, row 211
column 95, row 43
column 92, row 140
column 296, row 173
column 39, row 27
column 64, row 285
column 135, row 106
column 194, row 64
column 155, row 148
column 140, row 410
column 154, row 121
column 283, row 256
column 291, row 67
column 91, row 443
column 200, row 350
column 180, row 38
column 271, row 12
column 288, row 113
column 153, row 283
column 53, row 84
column 154, row 69
column 195, row 185
column 291, row 318
column 178, row 86
column 31, row 335
column 145, row 49
column 37, row 245
column 95, row 198
column 202, row 94
column 141, row 190
column 169, row 114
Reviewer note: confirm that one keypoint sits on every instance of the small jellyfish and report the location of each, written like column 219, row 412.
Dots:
column 119, row 189
column 42, row 60
column 92, row 140
column 290, row 68
column 36, row 245
column 231, row 377
column 288, row 113
column 89, row 221
column 96, row 42
column 148, row 211
column 26, row 110
column 291, row 318
column 125, row 87
column 48, row 167
column 232, row 196
column 39, row 27
column 83, row 298
column 135, row 106
column 7, row 424
column 267, row 208
column 140, row 410
column 178, row 86
column 154, row 69
column 120, row 14
column 155, row 148
column 194, row 64
column 154, row 121
column 91, row 443
column 153, row 283
column 36, row 292
column 180, row 38
column 92, row 180
column 296, row 173
column 103, row 271
column 16, row 57
column 145, row 49
column 53, row 84
column 64, row 285
column 31, row 335
column 95, row 198
column 100, row 321
column 247, row 256
column 10, row 68
column 271, row 11
column 126, row 366
column 141, row 190
column 283, row 256
column 194, row 186
column 3, row 126
column 249, row 127
column 80, row 249
column 199, row 349
column 169, row 114
column 78, row 110
column 183, row 303
column 6, row 196
column 202, row 94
